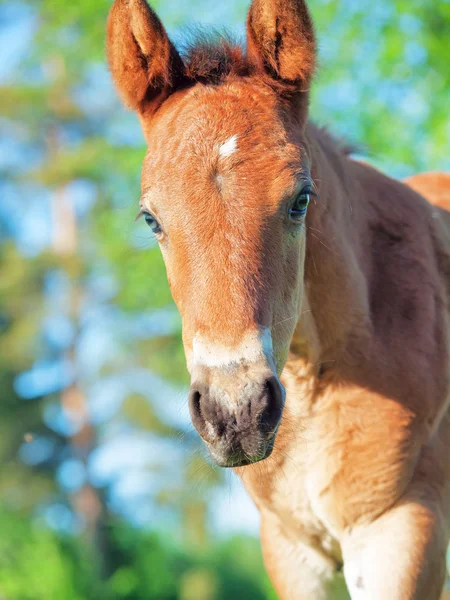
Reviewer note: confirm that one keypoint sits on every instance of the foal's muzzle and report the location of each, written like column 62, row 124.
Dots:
column 237, row 412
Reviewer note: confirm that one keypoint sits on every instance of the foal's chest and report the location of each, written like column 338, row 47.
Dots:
column 340, row 462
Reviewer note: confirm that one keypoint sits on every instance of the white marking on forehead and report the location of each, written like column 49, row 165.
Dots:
column 256, row 345
column 229, row 147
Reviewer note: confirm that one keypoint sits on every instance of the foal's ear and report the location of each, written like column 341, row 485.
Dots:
column 144, row 63
column 281, row 41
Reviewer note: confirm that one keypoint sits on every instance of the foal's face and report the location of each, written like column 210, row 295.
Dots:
column 225, row 189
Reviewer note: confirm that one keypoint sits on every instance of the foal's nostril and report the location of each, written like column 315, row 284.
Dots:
column 195, row 409
column 274, row 396
column 208, row 415
column 220, row 428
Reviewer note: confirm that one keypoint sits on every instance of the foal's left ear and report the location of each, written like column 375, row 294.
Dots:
column 281, row 41
column 144, row 63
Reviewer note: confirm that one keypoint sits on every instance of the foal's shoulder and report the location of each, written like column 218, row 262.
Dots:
column 416, row 213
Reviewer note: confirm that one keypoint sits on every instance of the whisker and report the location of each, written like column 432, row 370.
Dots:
column 323, row 243
column 291, row 318
column 285, row 320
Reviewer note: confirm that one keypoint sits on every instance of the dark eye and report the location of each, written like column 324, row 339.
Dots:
column 152, row 223
column 298, row 208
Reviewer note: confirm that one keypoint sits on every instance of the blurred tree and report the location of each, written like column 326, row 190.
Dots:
column 383, row 80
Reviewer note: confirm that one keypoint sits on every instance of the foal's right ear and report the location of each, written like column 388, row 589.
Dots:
column 144, row 63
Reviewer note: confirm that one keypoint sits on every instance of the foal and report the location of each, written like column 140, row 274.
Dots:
column 289, row 260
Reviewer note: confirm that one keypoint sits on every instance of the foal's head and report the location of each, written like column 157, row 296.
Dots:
column 225, row 189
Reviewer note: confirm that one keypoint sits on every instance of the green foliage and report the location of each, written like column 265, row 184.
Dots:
column 37, row 564
column 383, row 80
column 34, row 564
column 153, row 567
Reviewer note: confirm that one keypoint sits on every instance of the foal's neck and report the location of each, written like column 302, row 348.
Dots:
column 335, row 311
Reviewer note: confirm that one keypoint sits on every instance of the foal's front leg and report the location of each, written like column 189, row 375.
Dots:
column 400, row 556
column 297, row 571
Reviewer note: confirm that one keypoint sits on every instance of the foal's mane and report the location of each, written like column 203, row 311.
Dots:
column 212, row 57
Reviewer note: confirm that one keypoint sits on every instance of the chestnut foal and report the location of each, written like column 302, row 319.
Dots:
column 288, row 259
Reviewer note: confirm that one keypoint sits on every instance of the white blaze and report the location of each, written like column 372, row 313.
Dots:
column 256, row 345
column 229, row 147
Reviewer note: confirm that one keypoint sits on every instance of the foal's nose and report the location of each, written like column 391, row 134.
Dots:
column 236, row 415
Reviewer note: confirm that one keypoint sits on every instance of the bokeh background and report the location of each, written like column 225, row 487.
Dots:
column 105, row 492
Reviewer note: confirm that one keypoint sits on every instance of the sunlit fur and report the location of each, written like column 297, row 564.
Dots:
column 355, row 300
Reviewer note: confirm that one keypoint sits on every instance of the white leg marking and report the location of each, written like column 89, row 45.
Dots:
column 354, row 580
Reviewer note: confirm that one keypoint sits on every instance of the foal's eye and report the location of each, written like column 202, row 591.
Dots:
column 152, row 223
column 298, row 208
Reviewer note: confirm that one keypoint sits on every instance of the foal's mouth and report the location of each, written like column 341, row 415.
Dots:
column 251, row 448
column 239, row 458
